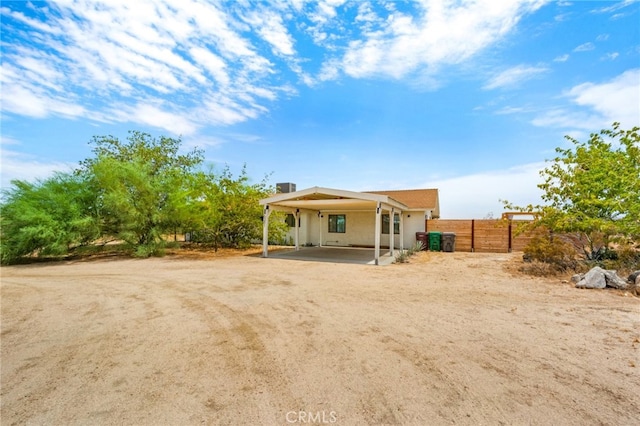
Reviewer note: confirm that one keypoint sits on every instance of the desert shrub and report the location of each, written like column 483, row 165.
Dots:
column 559, row 255
column 404, row 255
column 47, row 218
column 623, row 259
column 539, row 269
column 156, row 249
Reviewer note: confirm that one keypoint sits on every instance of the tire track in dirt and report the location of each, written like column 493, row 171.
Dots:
column 240, row 339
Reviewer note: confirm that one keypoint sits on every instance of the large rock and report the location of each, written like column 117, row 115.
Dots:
column 633, row 278
column 593, row 279
column 614, row 281
column 600, row 278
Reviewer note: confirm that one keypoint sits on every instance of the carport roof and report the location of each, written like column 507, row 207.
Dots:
column 318, row 198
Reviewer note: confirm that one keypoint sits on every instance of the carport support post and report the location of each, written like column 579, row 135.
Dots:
column 297, row 228
column 377, row 235
column 320, row 228
column 401, row 231
column 392, row 216
column 265, row 230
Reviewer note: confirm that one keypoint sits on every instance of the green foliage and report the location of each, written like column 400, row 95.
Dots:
column 552, row 250
column 624, row 258
column 404, row 255
column 226, row 212
column 49, row 217
column 136, row 191
column 592, row 190
column 142, row 185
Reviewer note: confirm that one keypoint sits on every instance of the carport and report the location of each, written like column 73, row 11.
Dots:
column 363, row 256
column 319, row 200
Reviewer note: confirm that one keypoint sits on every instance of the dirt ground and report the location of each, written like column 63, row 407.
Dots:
column 450, row 338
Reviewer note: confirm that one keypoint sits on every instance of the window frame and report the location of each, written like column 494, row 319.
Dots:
column 334, row 219
column 290, row 220
column 396, row 224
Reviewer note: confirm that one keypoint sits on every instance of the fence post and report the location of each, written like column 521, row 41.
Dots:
column 473, row 227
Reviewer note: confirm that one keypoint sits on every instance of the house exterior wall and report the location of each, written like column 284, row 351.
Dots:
column 413, row 222
column 359, row 229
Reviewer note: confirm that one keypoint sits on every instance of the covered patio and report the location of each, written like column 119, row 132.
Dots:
column 319, row 201
column 363, row 256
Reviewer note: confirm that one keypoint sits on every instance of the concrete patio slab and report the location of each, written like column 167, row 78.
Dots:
column 362, row 256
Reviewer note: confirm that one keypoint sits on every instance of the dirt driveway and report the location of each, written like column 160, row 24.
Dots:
column 451, row 338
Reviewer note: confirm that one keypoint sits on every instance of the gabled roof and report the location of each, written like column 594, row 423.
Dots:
column 318, row 198
column 423, row 199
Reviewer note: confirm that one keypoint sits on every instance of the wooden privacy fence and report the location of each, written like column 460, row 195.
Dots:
column 482, row 235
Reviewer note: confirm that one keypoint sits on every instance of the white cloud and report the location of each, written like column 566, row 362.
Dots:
column 513, row 76
column 513, row 110
column 18, row 166
column 146, row 53
column 139, row 54
column 34, row 100
column 202, row 142
column 561, row 58
column 175, row 122
column 615, row 100
column 614, row 6
column 326, row 10
column 585, row 47
column 271, row 28
column 600, row 105
column 478, row 195
column 212, row 63
column 330, row 70
column 443, row 33
column 567, row 119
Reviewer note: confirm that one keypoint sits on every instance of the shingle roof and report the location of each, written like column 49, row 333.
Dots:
column 415, row 198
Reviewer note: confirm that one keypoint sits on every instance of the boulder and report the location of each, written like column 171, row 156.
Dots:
column 600, row 278
column 638, row 281
column 613, row 280
column 593, row 279
column 576, row 278
column 633, row 278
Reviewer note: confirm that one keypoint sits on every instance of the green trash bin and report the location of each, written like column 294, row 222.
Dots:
column 434, row 241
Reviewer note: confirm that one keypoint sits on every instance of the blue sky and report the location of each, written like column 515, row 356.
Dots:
column 470, row 97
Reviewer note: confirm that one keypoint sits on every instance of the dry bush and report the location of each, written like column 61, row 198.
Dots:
column 539, row 269
column 549, row 255
column 624, row 259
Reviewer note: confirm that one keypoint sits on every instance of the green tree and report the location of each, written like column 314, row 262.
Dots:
column 48, row 217
column 592, row 190
column 226, row 211
column 137, row 191
column 142, row 186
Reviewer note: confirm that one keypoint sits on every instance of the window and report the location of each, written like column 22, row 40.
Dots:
column 396, row 224
column 290, row 220
column 337, row 223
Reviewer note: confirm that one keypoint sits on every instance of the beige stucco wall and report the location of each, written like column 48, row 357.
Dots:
column 414, row 223
column 359, row 229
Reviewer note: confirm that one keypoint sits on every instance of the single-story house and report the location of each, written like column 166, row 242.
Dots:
column 334, row 217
